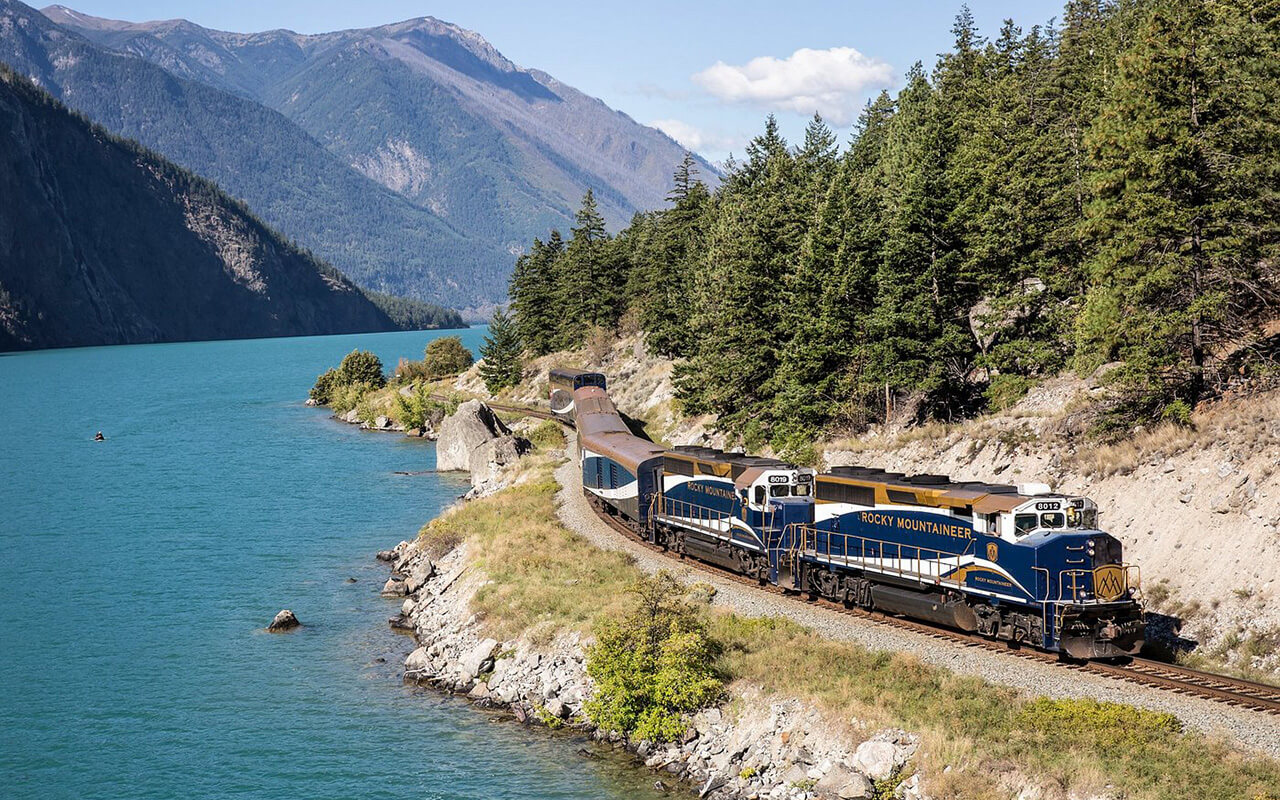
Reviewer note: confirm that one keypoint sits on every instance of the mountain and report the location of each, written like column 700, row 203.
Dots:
column 104, row 242
column 430, row 111
column 378, row 237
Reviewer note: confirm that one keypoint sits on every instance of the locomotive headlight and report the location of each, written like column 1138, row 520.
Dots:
column 1092, row 547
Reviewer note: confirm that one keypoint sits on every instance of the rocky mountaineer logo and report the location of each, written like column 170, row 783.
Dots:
column 1108, row 582
column 917, row 525
column 714, row 491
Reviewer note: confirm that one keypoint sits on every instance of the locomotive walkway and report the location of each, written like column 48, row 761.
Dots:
column 1259, row 731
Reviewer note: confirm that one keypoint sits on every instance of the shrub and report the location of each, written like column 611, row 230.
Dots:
column 1005, row 390
column 797, row 444
column 322, row 392
column 347, row 396
column 361, row 367
column 446, row 356
column 547, row 436
column 420, row 408
column 654, row 666
column 1178, row 412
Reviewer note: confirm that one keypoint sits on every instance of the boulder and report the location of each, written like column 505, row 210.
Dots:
column 393, row 588
column 419, row 575
column 473, row 663
column 284, row 621
column 556, row 709
column 876, row 758
column 472, row 425
column 382, row 421
column 858, row 788
column 351, row 416
column 418, row 662
column 386, row 555
column 488, row 459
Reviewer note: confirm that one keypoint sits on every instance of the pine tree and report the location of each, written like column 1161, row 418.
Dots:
column 590, row 279
column 821, row 365
column 1184, row 202
column 501, row 351
column 918, row 332
column 535, row 291
column 738, row 306
column 664, row 258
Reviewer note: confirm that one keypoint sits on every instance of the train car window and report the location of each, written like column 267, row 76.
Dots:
column 760, row 495
column 779, row 490
column 800, row 490
column 1024, row 524
column 1057, row 520
column 1089, row 519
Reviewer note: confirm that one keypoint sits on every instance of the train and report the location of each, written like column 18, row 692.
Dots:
column 1018, row 563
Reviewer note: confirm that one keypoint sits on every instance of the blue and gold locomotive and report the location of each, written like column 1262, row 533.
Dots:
column 1017, row 563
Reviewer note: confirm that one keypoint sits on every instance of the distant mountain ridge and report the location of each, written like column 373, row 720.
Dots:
column 373, row 235
column 434, row 113
column 103, row 242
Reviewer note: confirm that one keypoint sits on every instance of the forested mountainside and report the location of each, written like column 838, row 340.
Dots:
column 434, row 113
column 298, row 187
column 103, row 242
column 1100, row 191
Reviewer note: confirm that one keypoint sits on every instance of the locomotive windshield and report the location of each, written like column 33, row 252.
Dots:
column 1072, row 519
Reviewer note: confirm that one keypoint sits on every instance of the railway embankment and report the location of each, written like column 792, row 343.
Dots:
column 507, row 593
column 1196, row 506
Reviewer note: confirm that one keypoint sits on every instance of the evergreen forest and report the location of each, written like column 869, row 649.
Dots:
column 1098, row 191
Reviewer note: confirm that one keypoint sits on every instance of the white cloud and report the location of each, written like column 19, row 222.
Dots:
column 696, row 139
column 831, row 82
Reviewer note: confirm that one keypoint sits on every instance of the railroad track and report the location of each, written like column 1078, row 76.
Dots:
column 1170, row 677
column 1236, row 692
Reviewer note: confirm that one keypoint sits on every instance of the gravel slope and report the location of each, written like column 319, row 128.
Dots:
column 1251, row 729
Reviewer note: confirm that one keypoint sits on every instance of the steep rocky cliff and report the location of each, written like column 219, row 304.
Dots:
column 103, row 242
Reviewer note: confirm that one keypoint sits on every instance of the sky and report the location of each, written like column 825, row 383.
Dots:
column 707, row 73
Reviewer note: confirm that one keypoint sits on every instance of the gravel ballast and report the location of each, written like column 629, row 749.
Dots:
column 1253, row 730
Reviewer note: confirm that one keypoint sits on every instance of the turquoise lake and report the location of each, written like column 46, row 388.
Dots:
column 137, row 575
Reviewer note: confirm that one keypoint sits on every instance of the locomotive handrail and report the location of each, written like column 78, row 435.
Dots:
column 804, row 540
column 709, row 520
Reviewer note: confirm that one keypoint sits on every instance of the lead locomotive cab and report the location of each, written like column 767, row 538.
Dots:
column 562, row 383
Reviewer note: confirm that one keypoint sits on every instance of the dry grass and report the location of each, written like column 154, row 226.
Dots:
column 1248, row 424
column 542, row 577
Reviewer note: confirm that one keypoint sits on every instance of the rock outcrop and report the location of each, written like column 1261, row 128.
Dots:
column 474, row 439
column 473, row 424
